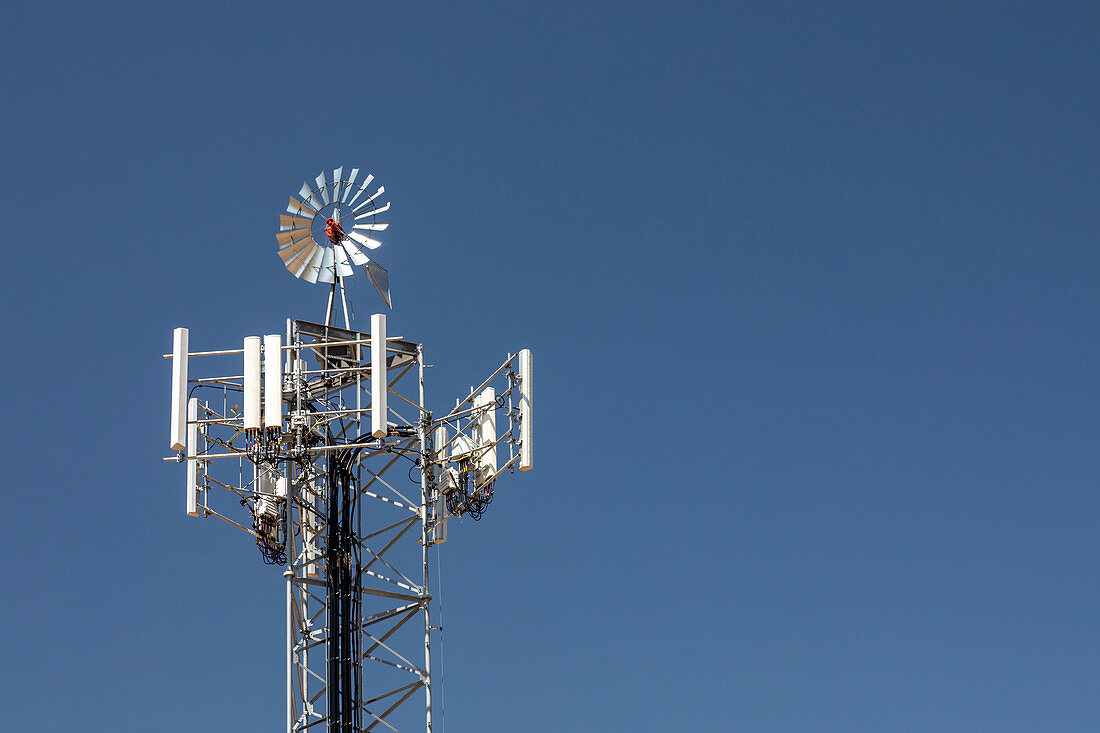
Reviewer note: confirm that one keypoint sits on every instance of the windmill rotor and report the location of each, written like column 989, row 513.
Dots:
column 327, row 226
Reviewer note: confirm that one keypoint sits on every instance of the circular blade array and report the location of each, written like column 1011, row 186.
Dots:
column 329, row 225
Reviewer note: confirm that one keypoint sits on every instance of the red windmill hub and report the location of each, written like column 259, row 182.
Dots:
column 334, row 231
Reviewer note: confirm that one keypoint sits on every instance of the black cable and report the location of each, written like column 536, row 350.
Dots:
column 221, row 387
column 345, row 603
column 466, row 498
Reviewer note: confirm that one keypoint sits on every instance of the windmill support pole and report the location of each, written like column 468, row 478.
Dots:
column 331, row 303
column 344, row 300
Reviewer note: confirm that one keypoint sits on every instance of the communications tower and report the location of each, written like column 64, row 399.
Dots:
column 319, row 444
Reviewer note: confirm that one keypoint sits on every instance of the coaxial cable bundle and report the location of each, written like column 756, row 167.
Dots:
column 466, row 497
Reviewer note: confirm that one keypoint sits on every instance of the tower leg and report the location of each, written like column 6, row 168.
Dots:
column 425, row 515
column 289, row 575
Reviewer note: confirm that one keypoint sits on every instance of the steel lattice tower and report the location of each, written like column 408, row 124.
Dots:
column 344, row 478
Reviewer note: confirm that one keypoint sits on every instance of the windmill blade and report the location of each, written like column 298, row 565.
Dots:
column 298, row 264
column 323, row 187
column 312, row 267
column 373, row 226
column 362, row 188
column 292, row 237
column 327, row 272
column 297, row 207
column 351, row 183
column 380, row 279
column 298, row 261
column 287, row 223
column 311, row 273
column 373, row 212
column 343, row 266
column 336, row 181
column 364, row 240
column 356, row 256
column 381, row 190
column 286, row 254
column 307, row 194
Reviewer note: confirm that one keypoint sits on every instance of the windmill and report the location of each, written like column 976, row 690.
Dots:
column 314, row 245
column 318, row 466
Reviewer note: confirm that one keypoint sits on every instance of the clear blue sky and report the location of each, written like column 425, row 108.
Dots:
column 812, row 290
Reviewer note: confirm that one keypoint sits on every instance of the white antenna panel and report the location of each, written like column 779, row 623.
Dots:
column 179, row 389
column 273, row 381
column 439, row 532
column 192, row 451
column 526, row 402
column 309, row 528
column 485, row 432
column 461, row 446
column 443, row 480
column 252, row 383
column 378, row 385
column 440, row 441
column 268, row 481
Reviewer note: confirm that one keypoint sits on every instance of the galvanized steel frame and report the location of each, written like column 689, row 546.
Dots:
column 391, row 596
column 394, row 569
